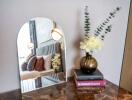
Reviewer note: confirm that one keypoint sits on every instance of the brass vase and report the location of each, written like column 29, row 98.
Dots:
column 88, row 64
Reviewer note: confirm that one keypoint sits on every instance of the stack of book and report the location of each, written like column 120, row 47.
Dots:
column 89, row 83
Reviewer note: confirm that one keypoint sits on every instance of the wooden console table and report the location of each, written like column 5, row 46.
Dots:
column 67, row 91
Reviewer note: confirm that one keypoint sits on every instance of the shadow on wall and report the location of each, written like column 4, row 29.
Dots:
column 77, row 55
column 76, row 43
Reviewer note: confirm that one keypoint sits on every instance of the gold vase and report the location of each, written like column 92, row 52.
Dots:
column 88, row 64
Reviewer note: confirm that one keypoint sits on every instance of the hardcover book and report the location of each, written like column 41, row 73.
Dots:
column 96, row 83
column 79, row 75
column 90, row 91
column 90, row 88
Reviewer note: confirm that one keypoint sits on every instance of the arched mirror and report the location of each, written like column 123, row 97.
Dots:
column 41, row 54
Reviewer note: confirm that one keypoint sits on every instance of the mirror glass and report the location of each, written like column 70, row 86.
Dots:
column 41, row 54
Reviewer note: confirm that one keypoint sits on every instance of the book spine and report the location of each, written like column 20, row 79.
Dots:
column 83, row 78
column 89, row 91
column 90, row 88
column 91, row 83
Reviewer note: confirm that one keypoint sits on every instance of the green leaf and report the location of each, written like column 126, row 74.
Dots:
column 118, row 8
column 86, row 21
column 104, row 24
column 98, row 29
column 86, row 13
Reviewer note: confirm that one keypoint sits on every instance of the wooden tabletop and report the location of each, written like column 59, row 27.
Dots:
column 67, row 91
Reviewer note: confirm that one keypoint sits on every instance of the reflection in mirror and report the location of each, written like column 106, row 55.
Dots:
column 41, row 54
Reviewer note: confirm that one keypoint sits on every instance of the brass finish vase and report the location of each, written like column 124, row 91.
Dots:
column 88, row 64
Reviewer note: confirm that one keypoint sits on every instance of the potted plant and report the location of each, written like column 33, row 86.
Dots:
column 94, row 42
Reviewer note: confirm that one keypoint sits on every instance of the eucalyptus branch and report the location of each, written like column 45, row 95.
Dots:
column 94, row 42
column 87, row 22
column 102, row 26
column 107, row 30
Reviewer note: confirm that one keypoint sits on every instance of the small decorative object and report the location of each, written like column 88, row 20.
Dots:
column 94, row 42
column 88, row 63
column 56, row 62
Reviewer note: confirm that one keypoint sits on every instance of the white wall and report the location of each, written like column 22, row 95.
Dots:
column 14, row 13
